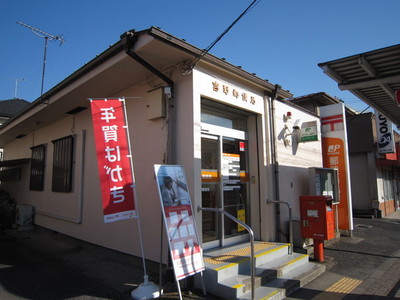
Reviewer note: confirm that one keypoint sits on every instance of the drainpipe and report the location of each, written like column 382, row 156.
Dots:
column 130, row 39
column 274, row 159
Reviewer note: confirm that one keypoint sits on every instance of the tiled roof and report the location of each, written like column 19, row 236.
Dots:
column 9, row 108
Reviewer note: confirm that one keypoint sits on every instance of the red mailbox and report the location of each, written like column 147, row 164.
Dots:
column 317, row 221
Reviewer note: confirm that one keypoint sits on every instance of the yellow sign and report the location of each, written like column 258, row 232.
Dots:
column 241, row 215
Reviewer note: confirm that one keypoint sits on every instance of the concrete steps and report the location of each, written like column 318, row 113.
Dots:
column 278, row 274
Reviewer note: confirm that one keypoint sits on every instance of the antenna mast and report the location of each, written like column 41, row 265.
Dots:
column 47, row 37
column 16, row 85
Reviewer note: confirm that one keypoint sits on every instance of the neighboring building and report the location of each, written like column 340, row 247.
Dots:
column 374, row 77
column 9, row 108
column 179, row 113
column 374, row 177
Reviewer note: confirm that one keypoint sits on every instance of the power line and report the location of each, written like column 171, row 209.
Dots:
column 358, row 114
column 189, row 68
column 254, row 3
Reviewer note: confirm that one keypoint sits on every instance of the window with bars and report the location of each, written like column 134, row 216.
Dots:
column 63, row 164
column 37, row 168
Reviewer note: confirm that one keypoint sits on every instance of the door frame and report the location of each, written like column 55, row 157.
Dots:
column 219, row 133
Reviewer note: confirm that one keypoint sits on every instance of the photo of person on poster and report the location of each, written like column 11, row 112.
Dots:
column 183, row 241
column 170, row 191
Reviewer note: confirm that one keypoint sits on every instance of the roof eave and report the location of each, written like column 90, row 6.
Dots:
column 121, row 45
column 211, row 59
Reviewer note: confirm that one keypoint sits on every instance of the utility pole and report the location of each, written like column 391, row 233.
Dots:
column 47, row 37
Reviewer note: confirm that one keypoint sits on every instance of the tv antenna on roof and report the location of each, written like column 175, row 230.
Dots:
column 16, row 85
column 47, row 37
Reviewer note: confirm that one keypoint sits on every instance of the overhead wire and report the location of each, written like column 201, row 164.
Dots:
column 360, row 113
column 206, row 50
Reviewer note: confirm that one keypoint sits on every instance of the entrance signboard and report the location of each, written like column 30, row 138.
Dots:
column 186, row 252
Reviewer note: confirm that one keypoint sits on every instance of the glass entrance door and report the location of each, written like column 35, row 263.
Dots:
column 225, row 183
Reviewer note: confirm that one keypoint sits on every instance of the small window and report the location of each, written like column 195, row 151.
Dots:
column 37, row 168
column 63, row 164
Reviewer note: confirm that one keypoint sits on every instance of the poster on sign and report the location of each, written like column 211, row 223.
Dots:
column 113, row 159
column 186, row 252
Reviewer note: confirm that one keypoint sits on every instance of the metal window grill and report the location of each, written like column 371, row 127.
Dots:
column 62, row 164
column 37, row 168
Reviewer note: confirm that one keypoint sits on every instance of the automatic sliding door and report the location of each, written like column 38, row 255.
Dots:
column 235, row 185
column 224, row 185
column 210, row 161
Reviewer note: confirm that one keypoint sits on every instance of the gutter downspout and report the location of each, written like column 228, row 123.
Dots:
column 130, row 39
column 274, row 159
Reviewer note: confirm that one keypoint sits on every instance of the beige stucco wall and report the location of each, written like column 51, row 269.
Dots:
column 60, row 211
column 79, row 214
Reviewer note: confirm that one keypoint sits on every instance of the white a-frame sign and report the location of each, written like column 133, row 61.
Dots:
column 186, row 252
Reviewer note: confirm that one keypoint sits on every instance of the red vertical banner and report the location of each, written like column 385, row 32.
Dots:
column 113, row 158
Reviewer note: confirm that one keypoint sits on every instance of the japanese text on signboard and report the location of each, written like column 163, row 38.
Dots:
column 186, row 252
column 113, row 157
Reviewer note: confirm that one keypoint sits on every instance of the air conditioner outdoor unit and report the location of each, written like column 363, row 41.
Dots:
column 24, row 215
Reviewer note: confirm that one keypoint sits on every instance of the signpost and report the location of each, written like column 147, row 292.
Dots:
column 335, row 155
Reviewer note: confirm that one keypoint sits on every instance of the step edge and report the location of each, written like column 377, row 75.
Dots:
column 299, row 279
column 274, row 293
column 248, row 258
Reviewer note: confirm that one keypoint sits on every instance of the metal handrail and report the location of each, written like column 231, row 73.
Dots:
column 290, row 222
column 250, row 231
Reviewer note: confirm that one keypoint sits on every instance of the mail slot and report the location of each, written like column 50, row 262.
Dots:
column 317, row 218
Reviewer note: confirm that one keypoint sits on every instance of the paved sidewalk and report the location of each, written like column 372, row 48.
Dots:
column 365, row 266
column 46, row 265
column 43, row 264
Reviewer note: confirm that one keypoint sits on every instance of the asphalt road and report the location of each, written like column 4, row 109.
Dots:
column 29, row 274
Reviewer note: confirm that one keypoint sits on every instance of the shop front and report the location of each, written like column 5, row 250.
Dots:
column 225, row 174
column 229, row 129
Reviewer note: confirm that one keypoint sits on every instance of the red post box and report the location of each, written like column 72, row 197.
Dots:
column 317, row 221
